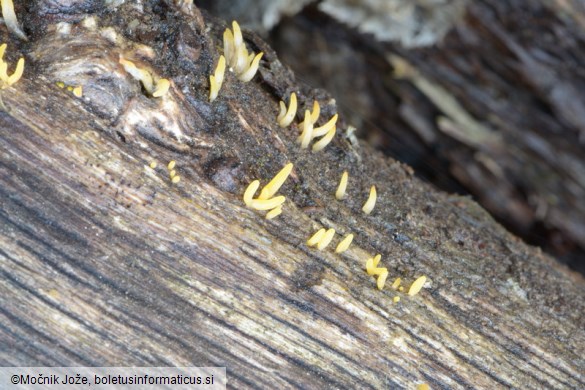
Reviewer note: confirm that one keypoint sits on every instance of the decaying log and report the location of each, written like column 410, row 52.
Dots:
column 105, row 261
column 514, row 137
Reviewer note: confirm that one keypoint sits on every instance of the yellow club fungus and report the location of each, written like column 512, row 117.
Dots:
column 6, row 80
column 274, row 185
column 305, row 137
column 251, row 69
column 373, row 269
column 382, row 279
column 60, row 84
column 78, row 91
column 176, row 179
column 340, row 193
column 396, row 299
column 10, row 18
column 250, row 191
column 372, row 265
column 216, row 79
column 344, row 244
column 162, row 87
column 314, row 114
column 396, row 283
column 417, row 285
column 319, row 145
column 286, row 116
column 401, row 288
column 153, row 164
column 171, row 165
column 268, row 204
column 371, row 202
column 423, row 386
column 172, row 173
column 316, row 238
column 326, row 240
column 274, row 212
column 145, row 77
column 322, row 130
column 228, row 46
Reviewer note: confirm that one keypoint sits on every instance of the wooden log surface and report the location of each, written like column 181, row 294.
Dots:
column 106, row 262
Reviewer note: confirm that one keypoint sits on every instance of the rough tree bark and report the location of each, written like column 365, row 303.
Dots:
column 105, row 262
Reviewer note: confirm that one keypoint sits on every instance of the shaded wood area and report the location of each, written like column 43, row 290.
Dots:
column 105, row 262
column 496, row 109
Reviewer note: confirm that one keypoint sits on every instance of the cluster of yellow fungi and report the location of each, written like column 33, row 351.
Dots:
column 308, row 130
column 154, row 85
column 236, row 56
column 266, row 200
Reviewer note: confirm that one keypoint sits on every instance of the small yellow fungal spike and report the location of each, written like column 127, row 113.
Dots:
column 371, row 202
column 316, row 112
column 238, row 38
column 274, row 212
column 176, row 179
column 213, row 88
column 320, row 145
column 241, row 59
column 305, row 137
column 417, row 286
column 70, row 88
column 162, row 87
column 372, row 264
column 249, row 73
column 153, row 164
column 423, row 386
column 60, row 84
column 5, row 80
column 250, row 191
column 340, row 193
column 396, row 283
column 10, row 19
column 267, row 204
column 272, row 188
column 344, row 244
column 287, row 118
column 321, row 131
column 382, row 279
column 139, row 74
column 78, row 91
column 400, row 288
column 220, row 70
column 396, row 299
column 316, row 238
column 172, row 173
column 171, row 165
column 326, row 240
column 228, row 47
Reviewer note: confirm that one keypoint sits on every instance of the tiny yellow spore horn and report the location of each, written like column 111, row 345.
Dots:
column 340, row 193
column 371, row 202
column 417, row 285
column 267, row 204
column 274, row 185
column 315, row 238
column 287, row 118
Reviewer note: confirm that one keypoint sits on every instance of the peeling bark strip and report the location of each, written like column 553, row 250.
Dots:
column 104, row 261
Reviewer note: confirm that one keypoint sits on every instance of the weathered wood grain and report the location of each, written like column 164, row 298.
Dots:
column 105, row 262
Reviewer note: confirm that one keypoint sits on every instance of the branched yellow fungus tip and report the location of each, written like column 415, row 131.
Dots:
column 274, row 185
column 371, row 202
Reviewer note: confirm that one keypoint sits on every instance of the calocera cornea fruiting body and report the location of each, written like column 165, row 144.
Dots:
column 417, row 285
column 373, row 269
column 216, row 79
column 371, row 202
column 154, row 89
column 344, row 244
column 5, row 79
column 10, row 18
column 286, row 115
column 266, row 200
column 342, row 187
column 243, row 64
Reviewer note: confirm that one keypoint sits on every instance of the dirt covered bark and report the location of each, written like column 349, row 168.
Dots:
column 105, row 261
